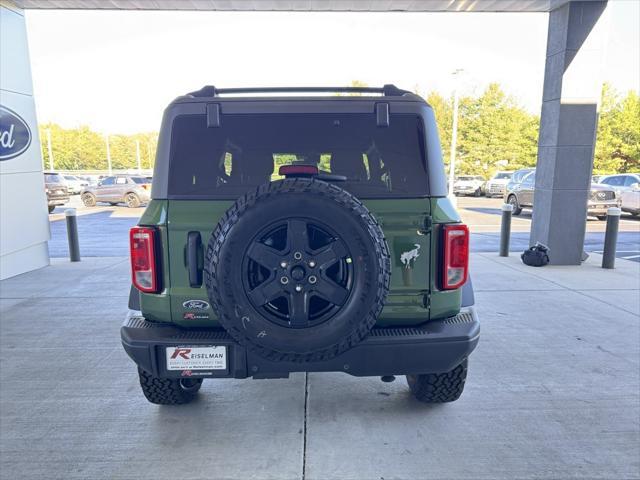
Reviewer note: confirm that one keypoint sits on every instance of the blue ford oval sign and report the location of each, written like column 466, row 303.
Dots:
column 15, row 134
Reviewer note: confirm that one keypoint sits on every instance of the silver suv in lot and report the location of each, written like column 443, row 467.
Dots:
column 133, row 190
column 519, row 194
column 495, row 185
column 627, row 185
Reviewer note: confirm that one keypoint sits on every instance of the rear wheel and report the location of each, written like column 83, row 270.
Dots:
column 477, row 193
column 132, row 200
column 168, row 391
column 513, row 201
column 439, row 387
column 89, row 199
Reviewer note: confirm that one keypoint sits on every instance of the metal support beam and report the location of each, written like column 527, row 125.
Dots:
column 571, row 95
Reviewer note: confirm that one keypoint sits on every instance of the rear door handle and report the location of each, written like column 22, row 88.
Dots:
column 194, row 247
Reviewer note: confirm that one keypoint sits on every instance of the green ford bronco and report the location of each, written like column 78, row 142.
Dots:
column 299, row 230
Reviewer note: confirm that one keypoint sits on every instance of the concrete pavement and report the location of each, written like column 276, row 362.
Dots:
column 553, row 391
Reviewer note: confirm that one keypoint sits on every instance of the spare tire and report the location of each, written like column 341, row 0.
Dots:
column 297, row 270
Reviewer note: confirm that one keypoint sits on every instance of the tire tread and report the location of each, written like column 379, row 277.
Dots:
column 164, row 391
column 439, row 387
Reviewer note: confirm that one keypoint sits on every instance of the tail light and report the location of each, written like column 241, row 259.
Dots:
column 144, row 273
column 455, row 257
column 146, row 186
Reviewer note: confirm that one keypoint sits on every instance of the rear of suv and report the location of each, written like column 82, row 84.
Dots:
column 56, row 189
column 289, row 231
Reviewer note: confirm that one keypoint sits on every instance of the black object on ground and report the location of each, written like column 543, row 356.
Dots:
column 536, row 256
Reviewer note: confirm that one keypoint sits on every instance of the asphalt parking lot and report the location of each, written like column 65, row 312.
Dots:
column 103, row 230
column 552, row 392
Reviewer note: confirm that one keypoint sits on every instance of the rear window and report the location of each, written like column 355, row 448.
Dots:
column 502, row 176
column 141, row 180
column 247, row 150
column 53, row 178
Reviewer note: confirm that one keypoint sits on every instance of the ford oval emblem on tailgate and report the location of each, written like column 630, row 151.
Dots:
column 15, row 134
column 195, row 305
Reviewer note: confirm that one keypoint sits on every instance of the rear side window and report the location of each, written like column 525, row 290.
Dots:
column 140, row 180
column 247, row 150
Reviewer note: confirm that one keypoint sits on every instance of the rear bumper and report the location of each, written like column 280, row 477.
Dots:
column 465, row 191
column 57, row 200
column 601, row 208
column 438, row 346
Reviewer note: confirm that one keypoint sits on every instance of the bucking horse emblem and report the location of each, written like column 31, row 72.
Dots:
column 407, row 257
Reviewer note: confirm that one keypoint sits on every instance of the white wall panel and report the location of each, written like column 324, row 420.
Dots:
column 24, row 222
column 15, row 74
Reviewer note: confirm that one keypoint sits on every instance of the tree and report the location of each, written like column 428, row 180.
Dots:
column 618, row 140
column 83, row 149
column 494, row 129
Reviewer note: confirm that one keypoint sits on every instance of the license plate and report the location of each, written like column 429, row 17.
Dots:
column 196, row 358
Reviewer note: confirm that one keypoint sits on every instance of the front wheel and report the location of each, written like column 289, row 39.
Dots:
column 132, row 200
column 88, row 199
column 51, row 208
column 513, row 201
column 168, row 391
column 439, row 387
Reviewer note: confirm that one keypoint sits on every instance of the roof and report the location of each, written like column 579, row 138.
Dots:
column 302, row 5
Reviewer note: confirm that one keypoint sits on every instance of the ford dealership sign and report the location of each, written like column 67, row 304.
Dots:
column 15, row 134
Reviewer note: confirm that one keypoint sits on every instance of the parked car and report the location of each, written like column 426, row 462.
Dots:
column 628, row 187
column 56, row 189
column 468, row 185
column 520, row 195
column 236, row 275
column 75, row 184
column 496, row 185
column 132, row 190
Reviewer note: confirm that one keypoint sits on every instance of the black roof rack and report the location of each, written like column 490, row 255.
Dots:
column 211, row 91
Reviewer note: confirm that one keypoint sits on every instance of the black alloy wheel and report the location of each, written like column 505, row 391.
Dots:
column 297, row 273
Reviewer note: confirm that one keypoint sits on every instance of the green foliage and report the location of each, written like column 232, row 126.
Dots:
column 618, row 140
column 494, row 132
column 83, row 149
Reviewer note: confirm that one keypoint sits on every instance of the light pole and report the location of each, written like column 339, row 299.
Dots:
column 138, row 157
column 108, row 154
column 454, row 134
column 50, row 149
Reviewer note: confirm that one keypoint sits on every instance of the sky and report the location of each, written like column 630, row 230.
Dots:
column 117, row 70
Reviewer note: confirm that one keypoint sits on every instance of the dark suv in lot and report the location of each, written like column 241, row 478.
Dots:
column 132, row 190
column 294, row 232
column 56, row 189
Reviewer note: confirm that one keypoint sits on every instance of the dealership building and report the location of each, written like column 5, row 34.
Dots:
column 569, row 110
